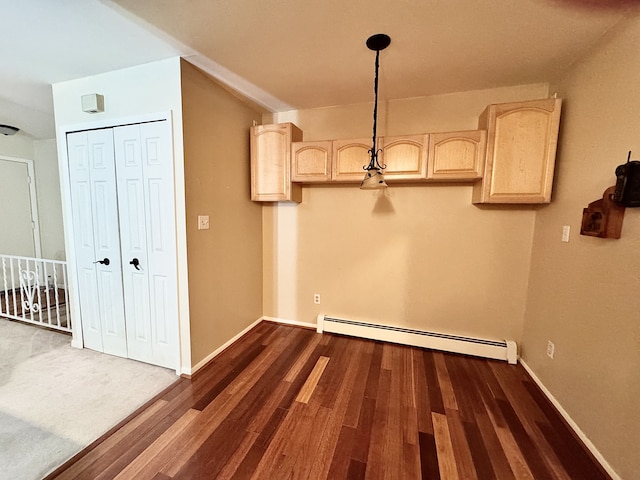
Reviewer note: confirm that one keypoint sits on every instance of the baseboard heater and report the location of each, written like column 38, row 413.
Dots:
column 496, row 349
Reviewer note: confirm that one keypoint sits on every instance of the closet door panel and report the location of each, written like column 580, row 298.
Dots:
column 133, row 237
column 163, row 302
column 139, row 329
column 96, row 237
column 163, row 325
column 89, row 306
column 157, row 154
column 80, row 182
column 147, row 221
column 108, row 286
column 107, row 241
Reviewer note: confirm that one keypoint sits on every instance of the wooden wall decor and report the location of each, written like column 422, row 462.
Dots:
column 603, row 218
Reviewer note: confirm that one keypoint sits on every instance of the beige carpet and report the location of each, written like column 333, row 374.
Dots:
column 55, row 399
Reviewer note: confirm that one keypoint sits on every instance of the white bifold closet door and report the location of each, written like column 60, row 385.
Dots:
column 144, row 170
column 124, row 231
column 97, row 240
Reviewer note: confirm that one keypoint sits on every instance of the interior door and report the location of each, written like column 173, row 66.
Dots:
column 97, row 241
column 144, row 164
column 16, row 215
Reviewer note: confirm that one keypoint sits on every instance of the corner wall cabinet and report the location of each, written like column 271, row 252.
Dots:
column 521, row 151
column 123, row 218
column 271, row 163
column 510, row 158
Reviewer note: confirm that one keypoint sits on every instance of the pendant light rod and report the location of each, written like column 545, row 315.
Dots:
column 376, row 42
column 373, row 178
column 374, row 148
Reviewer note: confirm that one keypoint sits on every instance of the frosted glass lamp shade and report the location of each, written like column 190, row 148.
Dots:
column 373, row 180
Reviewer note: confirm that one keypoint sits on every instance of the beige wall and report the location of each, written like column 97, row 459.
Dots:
column 45, row 165
column 585, row 295
column 19, row 145
column 225, row 262
column 415, row 256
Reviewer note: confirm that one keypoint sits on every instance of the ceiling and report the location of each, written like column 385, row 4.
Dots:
column 294, row 54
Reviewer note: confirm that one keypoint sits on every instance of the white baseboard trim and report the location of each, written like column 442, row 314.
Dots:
column 592, row 448
column 290, row 322
column 217, row 351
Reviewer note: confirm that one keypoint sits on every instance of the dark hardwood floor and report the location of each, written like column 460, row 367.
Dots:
column 285, row 402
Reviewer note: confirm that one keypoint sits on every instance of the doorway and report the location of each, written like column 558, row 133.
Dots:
column 19, row 215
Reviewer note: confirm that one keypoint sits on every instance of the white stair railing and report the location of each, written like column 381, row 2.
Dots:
column 34, row 290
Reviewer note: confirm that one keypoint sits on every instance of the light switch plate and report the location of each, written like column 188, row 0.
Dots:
column 566, row 230
column 203, row 222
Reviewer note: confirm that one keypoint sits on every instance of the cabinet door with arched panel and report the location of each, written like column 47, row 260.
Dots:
column 271, row 163
column 311, row 161
column 405, row 157
column 349, row 158
column 521, row 151
column 457, row 156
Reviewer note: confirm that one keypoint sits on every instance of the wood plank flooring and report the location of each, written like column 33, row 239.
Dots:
column 285, row 402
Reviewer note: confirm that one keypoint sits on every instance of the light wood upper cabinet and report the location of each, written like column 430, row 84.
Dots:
column 271, row 163
column 311, row 161
column 349, row 156
column 457, row 156
column 511, row 157
column 405, row 157
column 521, row 151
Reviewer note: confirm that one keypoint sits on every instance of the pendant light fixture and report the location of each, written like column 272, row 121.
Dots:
column 373, row 178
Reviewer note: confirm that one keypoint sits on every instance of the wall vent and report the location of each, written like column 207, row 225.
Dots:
column 496, row 349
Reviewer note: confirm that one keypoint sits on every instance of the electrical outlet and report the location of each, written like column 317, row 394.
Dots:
column 551, row 349
column 316, row 298
column 566, row 231
column 203, row 222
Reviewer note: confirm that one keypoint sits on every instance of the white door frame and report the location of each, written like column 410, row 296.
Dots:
column 37, row 247
column 183, row 340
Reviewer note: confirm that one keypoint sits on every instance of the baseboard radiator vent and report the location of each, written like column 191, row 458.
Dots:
column 496, row 349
